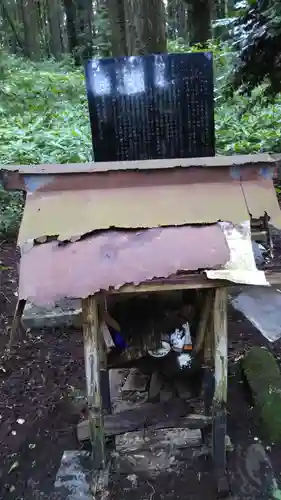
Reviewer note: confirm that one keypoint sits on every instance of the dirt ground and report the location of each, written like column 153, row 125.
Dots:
column 37, row 423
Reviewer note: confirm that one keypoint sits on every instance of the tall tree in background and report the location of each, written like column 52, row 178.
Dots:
column 40, row 28
column 10, row 14
column 181, row 19
column 30, row 19
column 145, row 26
column 177, row 13
column 79, row 25
column 84, row 28
column 70, row 12
column 55, row 17
column 258, row 37
column 199, row 21
column 102, row 32
column 116, row 11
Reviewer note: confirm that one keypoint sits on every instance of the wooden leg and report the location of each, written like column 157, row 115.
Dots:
column 17, row 324
column 209, row 336
column 268, row 235
column 220, row 392
column 104, row 374
column 92, row 343
column 208, row 385
column 220, row 341
column 105, row 389
column 203, row 321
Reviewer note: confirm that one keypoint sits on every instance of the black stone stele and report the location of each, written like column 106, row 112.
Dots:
column 151, row 107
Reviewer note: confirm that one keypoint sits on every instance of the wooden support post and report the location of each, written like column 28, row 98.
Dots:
column 17, row 326
column 208, row 381
column 92, row 344
column 104, row 377
column 220, row 344
column 207, row 303
column 220, row 393
column 269, row 240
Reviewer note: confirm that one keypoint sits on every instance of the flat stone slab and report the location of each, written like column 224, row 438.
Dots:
column 254, row 477
column 262, row 307
column 251, row 476
column 73, row 478
column 66, row 313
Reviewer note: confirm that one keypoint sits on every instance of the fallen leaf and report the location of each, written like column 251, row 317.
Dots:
column 14, row 466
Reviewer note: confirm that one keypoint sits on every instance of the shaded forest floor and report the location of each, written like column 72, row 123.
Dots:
column 37, row 423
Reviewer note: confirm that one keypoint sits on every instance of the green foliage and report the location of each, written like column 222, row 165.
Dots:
column 10, row 213
column 43, row 113
column 264, row 379
column 257, row 37
column 44, row 117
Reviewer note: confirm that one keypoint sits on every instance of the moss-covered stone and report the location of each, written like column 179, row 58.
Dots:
column 264, row 378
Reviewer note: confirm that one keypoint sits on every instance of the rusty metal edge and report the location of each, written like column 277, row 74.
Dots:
column 263, row 160
column 188, row 281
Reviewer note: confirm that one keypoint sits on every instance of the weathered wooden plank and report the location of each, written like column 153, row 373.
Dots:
column 109, row 320
column 149, row 415
column 220, row 344
column 153, row 451
column 92, row 343
column 107, row 337
column 203, row 321
column 187, row 282
column 209, row 344
column 220, row 393
column 155, row 439
column 104, row 374
column 17, row 325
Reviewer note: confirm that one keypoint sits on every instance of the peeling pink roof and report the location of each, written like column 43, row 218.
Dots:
column 50, row 271
column 167, row 213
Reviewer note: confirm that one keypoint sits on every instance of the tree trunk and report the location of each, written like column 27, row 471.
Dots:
column 181, row 19
column 199, row 14
column 117, row 24
column 171, row 19
column 31, row 31
column 54, row 17
column 11, row 37
column 145, row 27
column 220, row 8
column 79, row 20
column 103, row 28
column 70, row 12
column 84, row 25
